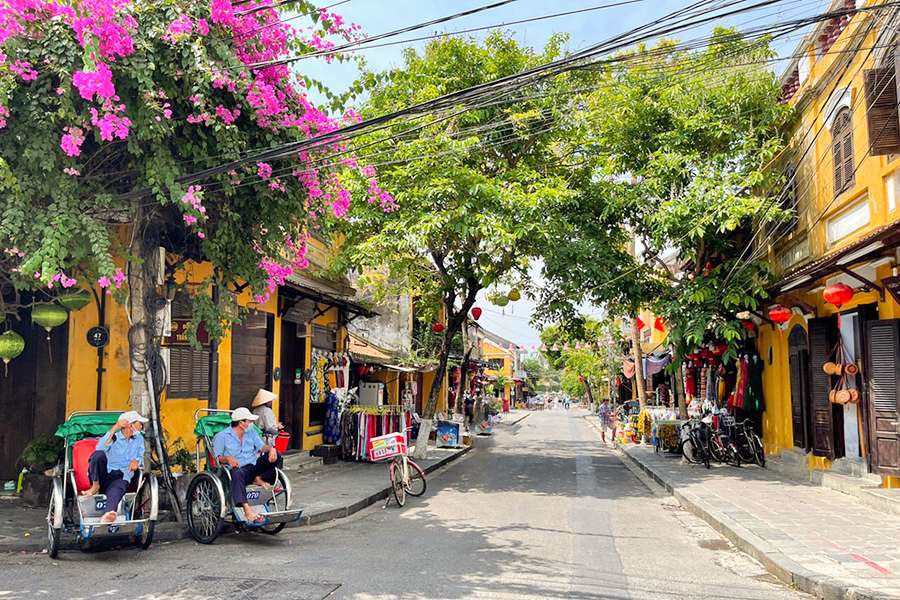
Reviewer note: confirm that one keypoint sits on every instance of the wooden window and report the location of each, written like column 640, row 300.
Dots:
column 789, row 198
column 324, row 338
column 842, row 151
column 881, row 111
column 188, row 368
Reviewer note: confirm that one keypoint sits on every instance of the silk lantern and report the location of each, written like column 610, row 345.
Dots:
column 779, row 315
column 11, row 345
column 476, row 312
column 838, row 294
column 438, row 328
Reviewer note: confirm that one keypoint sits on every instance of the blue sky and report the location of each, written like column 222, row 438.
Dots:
column 379, row 16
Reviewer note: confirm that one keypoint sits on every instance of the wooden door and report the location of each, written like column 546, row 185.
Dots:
column 882, row 368
column 251, row 352
column 801, row 409
column 822, row 337
column 291, row 396
column 33, row 391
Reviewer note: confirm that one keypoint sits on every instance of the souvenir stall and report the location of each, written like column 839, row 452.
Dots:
column 329, row 373
column 359, row 424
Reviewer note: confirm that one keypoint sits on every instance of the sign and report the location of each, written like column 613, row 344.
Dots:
column 98, row 336
column 387, row 446
column 178, row 335
column 447, row 434
column 892, row 284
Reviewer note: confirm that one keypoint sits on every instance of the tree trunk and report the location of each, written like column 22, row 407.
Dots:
column 455, row 322
column 590, row 395
column 463, row 372
column 679, row 392
column 638, row 366
column 139, row 332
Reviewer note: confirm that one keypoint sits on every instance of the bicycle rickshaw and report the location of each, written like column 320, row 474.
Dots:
column 74, row 514
column 209, row 503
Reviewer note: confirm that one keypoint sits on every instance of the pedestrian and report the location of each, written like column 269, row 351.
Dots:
column 262, row 408
column 662, row 394
column 605, row 413
column 469, row 410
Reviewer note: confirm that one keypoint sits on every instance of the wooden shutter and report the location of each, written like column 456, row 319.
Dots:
column 188, row 373
column 842, row 151
column 883, row 394
column 881, row 111
column 849, row 166
column 822, row 334
column 837, row 152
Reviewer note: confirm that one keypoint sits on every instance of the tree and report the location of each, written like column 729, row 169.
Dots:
column 111, row 107
column 587, row 352
column 473, row 187
column 684, row 140
column 540, row 376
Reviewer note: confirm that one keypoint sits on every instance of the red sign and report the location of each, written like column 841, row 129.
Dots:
column 179, row 333
column 387, row 446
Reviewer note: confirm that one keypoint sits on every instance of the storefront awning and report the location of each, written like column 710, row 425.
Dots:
column 305, row 288
column 363, row 351
column 872, row 246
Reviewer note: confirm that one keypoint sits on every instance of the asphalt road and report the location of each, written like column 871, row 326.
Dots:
column 537, row 511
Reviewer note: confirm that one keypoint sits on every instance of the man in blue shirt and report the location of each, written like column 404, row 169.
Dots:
column 240, row 449
column 112, row 465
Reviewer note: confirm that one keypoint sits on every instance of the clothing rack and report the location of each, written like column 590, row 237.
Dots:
column 387, row 409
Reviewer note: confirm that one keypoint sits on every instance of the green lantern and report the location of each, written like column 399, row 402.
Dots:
column 49, row 316
column 500, row 300
column 11, row 345
column 514, row 295
column 75, row 300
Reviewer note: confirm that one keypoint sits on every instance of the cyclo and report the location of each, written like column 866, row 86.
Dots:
column 209, row 503
column 74, row 514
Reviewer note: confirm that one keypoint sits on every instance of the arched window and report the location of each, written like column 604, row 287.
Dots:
column 842, row 151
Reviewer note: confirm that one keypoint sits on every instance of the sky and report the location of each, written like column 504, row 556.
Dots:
column 584, row 29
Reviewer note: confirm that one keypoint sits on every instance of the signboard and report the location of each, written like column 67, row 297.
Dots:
column 447, row 434
column 178, row 334
column 98, row 336
column 387, row 446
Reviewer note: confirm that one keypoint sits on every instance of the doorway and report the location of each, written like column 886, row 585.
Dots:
column 292, row 397
column 801, row 406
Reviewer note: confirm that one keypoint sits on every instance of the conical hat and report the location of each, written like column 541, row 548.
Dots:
column 263, row 397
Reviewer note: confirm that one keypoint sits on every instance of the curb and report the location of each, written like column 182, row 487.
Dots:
column 172, row 531
column 777, row 563
column 517, row 421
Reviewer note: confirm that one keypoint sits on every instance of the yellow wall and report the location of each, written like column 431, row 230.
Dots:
column 491, row 351
column 176, row 414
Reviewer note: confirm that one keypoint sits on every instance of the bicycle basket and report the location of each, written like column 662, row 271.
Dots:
column 387, row 446
column 727, row 420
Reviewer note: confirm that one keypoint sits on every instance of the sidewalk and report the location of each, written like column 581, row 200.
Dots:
column 819, row 540
column 324, row 492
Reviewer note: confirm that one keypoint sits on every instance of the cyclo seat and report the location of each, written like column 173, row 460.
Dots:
column 81, row 456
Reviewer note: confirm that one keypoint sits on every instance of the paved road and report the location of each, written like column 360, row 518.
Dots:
column 538, row 511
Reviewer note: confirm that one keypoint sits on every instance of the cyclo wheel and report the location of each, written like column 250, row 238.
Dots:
column 277, row 502
column 205, row 499
column 397, row 486
column 143, row 503
column 54, row 516
column 417, row 483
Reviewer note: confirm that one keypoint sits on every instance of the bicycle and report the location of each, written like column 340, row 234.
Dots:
column 694, row 444
column 749, row 446
column 722, row 444
column 405, row 475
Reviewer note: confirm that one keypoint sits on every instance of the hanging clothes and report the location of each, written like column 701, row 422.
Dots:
column 332, row 434
column 754, row 400
column 690, row 382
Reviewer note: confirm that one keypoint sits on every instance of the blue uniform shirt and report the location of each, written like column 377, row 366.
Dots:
column 121, row 451
column 246, row 451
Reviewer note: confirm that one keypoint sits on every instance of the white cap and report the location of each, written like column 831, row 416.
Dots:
column 132, row 416
column 243, row 414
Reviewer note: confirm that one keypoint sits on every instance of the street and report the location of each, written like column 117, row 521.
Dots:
column 537, row 511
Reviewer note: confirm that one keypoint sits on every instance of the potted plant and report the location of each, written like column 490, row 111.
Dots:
column 39, row 457
column 182, row 458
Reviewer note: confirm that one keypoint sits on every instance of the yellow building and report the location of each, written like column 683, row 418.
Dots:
column 501, row 358
column 843, row 175
column 289, row 344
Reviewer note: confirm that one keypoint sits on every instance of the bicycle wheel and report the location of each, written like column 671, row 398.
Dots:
column 690, row 452
column 759, row 454
column 397, row 486
column 416, row 486
column 745, row 447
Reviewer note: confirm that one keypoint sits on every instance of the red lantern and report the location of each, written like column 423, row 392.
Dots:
column 748, row 325
column 476, row 313
column 438, row 328
column 838, row 294
column 779, row 314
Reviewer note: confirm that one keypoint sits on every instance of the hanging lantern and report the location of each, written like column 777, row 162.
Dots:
column 555, row 348
column 779, row 314
column 438, row 328
column 11, row 345
column 75, row 300
column 514, row 295
column 49, row 316
column 543, row 347
column 476, row 312
column 838, row 294
column 748, row 325
column 500, row 300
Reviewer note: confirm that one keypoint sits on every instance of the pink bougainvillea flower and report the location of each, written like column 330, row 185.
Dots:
column 190, row 219
column 72, row 140
column 118, row 278
column 264, row 170
column 103, row 282
column 201, row 235
column 4, row 114
column 98, row 82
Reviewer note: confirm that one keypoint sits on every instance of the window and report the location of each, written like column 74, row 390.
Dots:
column 842, row 151
column 788, row 197
column 850, row 220
column 881, row 110
column 188, row 369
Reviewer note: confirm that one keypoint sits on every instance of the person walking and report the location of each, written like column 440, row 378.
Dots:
column 469, row 410
column 605, row 414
